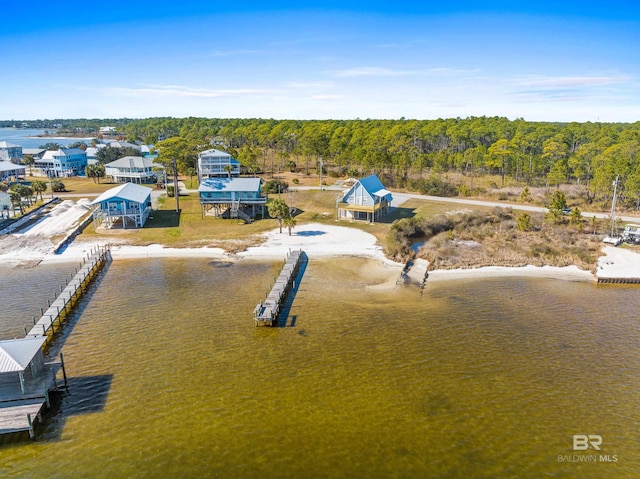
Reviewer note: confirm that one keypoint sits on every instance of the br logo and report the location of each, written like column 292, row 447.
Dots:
column 582, row 442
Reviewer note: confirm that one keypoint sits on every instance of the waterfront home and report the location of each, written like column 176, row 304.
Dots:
column 123, row 144
column 212, row 163
column 64, row 162
column 35, row 153
column 10, row 171
column 366, row 200
column 10, row 152
column 132, row 169
column 232, row 197
column 127, row 205
column 107, row 130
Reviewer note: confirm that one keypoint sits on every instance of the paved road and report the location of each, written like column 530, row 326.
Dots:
column 400, row 198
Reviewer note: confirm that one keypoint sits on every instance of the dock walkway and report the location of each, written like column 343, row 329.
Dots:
column 267, row 311
column 25, row 388
column 69, row 296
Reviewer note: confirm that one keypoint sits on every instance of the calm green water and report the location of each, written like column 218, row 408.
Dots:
column 490, row 378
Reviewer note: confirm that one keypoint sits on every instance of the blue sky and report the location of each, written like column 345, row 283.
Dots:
column 574, row 61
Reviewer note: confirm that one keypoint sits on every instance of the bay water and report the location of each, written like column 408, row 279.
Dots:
column 492, row 377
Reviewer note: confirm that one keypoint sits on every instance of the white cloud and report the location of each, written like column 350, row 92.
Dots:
column 181, row 91
column 327, row 97
column 371, row 72
column 573, row 82
column 388, row 72
column 310, row 84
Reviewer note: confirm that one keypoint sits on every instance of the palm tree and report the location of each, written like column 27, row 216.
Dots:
column 278, row 209
column 290, row 223
column 228, row 168
column 38, row 187
column 16, row 200
column 29, row 161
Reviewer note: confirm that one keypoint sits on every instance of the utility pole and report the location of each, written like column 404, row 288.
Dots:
column 176, row 193
column 50, row 183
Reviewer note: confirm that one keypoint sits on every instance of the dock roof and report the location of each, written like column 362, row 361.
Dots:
column 16, row 354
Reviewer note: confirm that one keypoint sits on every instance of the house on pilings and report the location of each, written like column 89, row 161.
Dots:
column 126, row 206
column 232, row 197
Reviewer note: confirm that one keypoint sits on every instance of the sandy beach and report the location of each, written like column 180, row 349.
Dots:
column 34, row 245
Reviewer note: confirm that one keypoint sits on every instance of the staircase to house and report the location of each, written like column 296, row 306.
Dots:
column 236, row 212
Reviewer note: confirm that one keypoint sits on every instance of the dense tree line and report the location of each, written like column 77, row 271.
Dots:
column 409, row 153
column 532, row 153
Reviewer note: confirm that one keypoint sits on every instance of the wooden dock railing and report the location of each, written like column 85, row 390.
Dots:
column 267, row 312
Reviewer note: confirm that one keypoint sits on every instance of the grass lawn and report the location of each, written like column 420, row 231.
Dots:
column 190, row 229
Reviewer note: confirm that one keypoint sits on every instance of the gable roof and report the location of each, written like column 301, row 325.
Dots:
column 50, row 154
column 371, row 184
column 132, row 162
column 215, row 153
column 127, row 192
column 16, row 354
column 6, row 144
column 230, row 184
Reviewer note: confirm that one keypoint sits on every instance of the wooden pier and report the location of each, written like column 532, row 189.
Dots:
column 69, row 295
column 267, row 312
column 25, row 378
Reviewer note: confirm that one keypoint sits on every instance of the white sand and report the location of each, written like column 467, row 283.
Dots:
column 317, row 240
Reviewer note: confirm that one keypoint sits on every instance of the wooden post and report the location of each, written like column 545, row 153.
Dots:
column 21, row 376
column 64, row 372
column 31, row 431
column 46, row 394
column 25, row 330
column 34, row 320
column 44, row 330
column 48, row 302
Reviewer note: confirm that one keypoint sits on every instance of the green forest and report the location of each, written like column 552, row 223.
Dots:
column 418, row 155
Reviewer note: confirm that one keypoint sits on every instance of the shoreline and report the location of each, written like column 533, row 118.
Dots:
column 329, row 241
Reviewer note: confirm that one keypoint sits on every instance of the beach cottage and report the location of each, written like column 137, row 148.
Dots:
column 9, row 171
column 132, row 169
column 212, row 163
column 232, row 197
column 10, row 152
column 127, row 205
column 366, row 200
column 64, row 162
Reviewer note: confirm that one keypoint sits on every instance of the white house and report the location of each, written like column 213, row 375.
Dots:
column 10, row 152
column 127, row 204
column 366, row 200
column 133, row 169
column 212, row 163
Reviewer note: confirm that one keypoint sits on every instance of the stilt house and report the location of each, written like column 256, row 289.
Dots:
column 128, row 205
